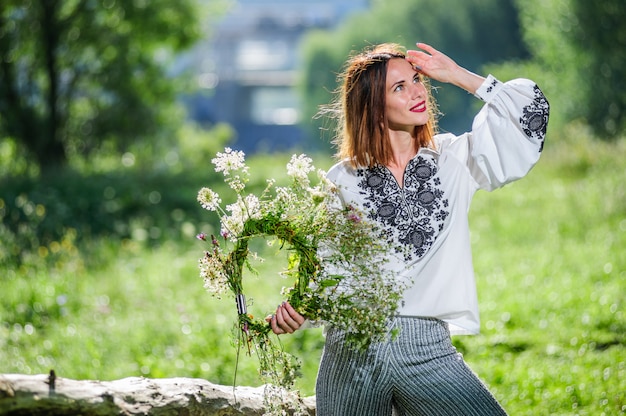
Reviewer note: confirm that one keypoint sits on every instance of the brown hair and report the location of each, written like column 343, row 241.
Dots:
column 359, row 108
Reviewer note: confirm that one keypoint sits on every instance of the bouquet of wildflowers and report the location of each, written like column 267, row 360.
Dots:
column 336, row 261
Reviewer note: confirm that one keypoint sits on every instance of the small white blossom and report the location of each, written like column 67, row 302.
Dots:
column 209, row 199
column 237, row 183
column 212, row 271
column 228, row 161
column 232, row 225
column 317, row 195
column 252, row 206
column 299, row 167
column 324, row 182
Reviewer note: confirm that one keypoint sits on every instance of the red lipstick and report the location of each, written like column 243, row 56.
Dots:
column 419, row 107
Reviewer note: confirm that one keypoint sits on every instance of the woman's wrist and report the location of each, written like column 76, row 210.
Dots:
column 467, row 80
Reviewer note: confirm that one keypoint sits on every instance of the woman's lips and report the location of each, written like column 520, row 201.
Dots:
column 419, row 107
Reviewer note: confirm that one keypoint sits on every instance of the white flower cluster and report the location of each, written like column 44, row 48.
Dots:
column 232, row 164
column 299, row 168
column 212, row 272
column 277, row 400
column 285, row 201
column 229, row 161
column 209, row 199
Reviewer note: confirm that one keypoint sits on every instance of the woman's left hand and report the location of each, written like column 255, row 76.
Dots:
column 433, row 64
column 440, row 67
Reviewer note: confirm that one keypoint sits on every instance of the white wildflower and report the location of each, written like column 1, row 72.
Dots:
column 252, row 206
column 299, row 168
column 232, row 225
column 324, row 182
column 237, row 183
column 230, row 160
column 240, row 211
column 212, row 271
column 209, row 199
column 317, row 195
column 285, row 197
column 231, row 228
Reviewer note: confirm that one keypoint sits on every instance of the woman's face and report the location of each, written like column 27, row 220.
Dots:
column 406, row 104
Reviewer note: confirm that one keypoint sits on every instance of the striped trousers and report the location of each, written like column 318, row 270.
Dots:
column 418, row 373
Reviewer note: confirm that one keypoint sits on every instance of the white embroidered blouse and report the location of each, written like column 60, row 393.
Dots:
column 428, row 216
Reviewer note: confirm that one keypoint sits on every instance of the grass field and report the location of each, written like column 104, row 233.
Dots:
column 550, row 259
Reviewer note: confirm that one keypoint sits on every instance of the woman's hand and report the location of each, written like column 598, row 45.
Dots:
column 286, row 320
column 442, row 68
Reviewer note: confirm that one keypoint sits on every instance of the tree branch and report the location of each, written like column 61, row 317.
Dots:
column 49, row 394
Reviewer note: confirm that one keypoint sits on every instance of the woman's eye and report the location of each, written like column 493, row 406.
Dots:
column 398, row 88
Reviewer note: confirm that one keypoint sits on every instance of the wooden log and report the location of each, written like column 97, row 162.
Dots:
column 38, row 395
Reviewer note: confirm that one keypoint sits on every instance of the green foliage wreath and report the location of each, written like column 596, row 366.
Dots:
column 336, row 261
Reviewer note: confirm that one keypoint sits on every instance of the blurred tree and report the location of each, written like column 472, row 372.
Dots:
column 554, row 60
column 578, row 52
column 601, row 34
column 476, row 33
column 76, row 72
column 323, row 58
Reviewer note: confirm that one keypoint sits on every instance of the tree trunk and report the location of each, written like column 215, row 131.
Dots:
column 38, row 395
column 51, row 155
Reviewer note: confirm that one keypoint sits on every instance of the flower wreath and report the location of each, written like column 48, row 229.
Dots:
column 334, row 254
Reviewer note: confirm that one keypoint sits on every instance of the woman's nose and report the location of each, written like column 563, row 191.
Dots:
column 417, row 91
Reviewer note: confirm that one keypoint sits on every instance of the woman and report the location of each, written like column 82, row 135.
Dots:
column 418, row 186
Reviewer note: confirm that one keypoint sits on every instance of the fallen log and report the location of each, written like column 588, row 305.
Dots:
column 39, row 395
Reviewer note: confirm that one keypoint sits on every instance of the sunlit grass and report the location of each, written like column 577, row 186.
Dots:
column 549, row 254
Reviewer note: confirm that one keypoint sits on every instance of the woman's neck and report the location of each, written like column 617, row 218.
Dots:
column 404, row 148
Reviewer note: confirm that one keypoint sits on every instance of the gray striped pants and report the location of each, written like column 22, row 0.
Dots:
column 418, row 373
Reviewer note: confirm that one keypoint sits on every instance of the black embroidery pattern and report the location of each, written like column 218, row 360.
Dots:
column 493, row 84
column 414, row 215
column 534, row 119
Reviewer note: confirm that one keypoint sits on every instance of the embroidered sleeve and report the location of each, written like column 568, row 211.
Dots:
column 508, row 133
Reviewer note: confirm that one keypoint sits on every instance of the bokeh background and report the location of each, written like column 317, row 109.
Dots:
column 110, row 114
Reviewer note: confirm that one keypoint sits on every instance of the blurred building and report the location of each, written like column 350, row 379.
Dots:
column 247, row 70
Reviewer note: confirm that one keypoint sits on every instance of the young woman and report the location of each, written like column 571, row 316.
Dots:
column 418, row 186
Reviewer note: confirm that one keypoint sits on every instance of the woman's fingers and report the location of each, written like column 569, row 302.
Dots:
column 272, row 321
column 295, row 316
column 427, row 48
column 432, row 63
column 285, row 320
column 420, row 58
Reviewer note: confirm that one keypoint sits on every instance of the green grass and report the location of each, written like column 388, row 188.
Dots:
column 549, row 254
column 140, row 312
